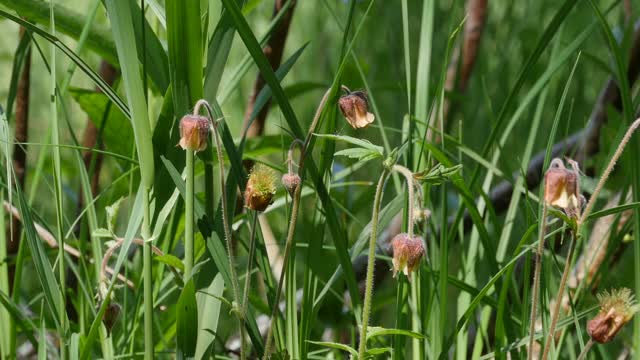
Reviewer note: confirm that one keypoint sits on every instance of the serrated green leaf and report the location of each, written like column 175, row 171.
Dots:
column 359, row 153
column 338, row 346
column 102, row 233
column 438, row 174
column 171, row 260
column 355, row 141
column 374, row 331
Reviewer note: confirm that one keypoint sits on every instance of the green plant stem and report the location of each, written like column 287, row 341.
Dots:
column 368, row 292
column 585, row 351
column 410, row 187
column 536, row 281
column 294, row 213
column 247, row 281
column 556, row 307
column 607, row 171
column 225, row 217
column 148, row 280
column 188, row 217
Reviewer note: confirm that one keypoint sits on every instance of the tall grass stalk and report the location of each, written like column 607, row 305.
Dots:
column 247, row 280
column 536, row 280
column 57, row 178
column 294, row 213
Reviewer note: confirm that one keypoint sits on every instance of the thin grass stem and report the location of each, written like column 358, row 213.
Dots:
column 247, row 281
column 148, row 278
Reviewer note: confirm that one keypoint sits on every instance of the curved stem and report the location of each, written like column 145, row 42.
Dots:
column 607, row 171
column 585, row 351
column 536, row 281
column 188, row 217
column 294, row 214
column 368, row 292
column 225, row 217
column 556, row 307
column 290, row 153
column 247, row 281
column 409, row 177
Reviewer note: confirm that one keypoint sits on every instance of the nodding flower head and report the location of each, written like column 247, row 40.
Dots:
column 291, row 181
column 261, row 188
column 407, row 253
column 194, row 130
column 616, row 309
column 562, row 186
column 355, row 108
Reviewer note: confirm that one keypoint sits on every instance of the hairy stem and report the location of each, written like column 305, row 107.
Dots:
column 536, row 281
column 368, row 292
column 294, row 214
column 607, row 171
column 225, row 217
column 188, row 220
column 556, row 307
column 585, row 351
column 409, row 177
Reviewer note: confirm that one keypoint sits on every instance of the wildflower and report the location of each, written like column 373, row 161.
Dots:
column 291, row 181
column 407, row 253
column 616, row 309
column 355, row 108
column 561, row 186
column 260, row 188
column 194, row 130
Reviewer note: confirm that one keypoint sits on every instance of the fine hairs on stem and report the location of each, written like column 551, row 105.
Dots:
column 225, row 220
column 294, row 213
column 574, row 234
column 556, row 307
column 607, row 171
column 368, row 293
column 585, row 351
column 536, row 281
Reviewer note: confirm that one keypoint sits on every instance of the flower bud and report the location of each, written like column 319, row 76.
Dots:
column 355, row 108
column 291, row 182
column 616, row 309
column 260, row 188
column 407, row 253
column 194, row 130
column 111, row 314
column 561, row 186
